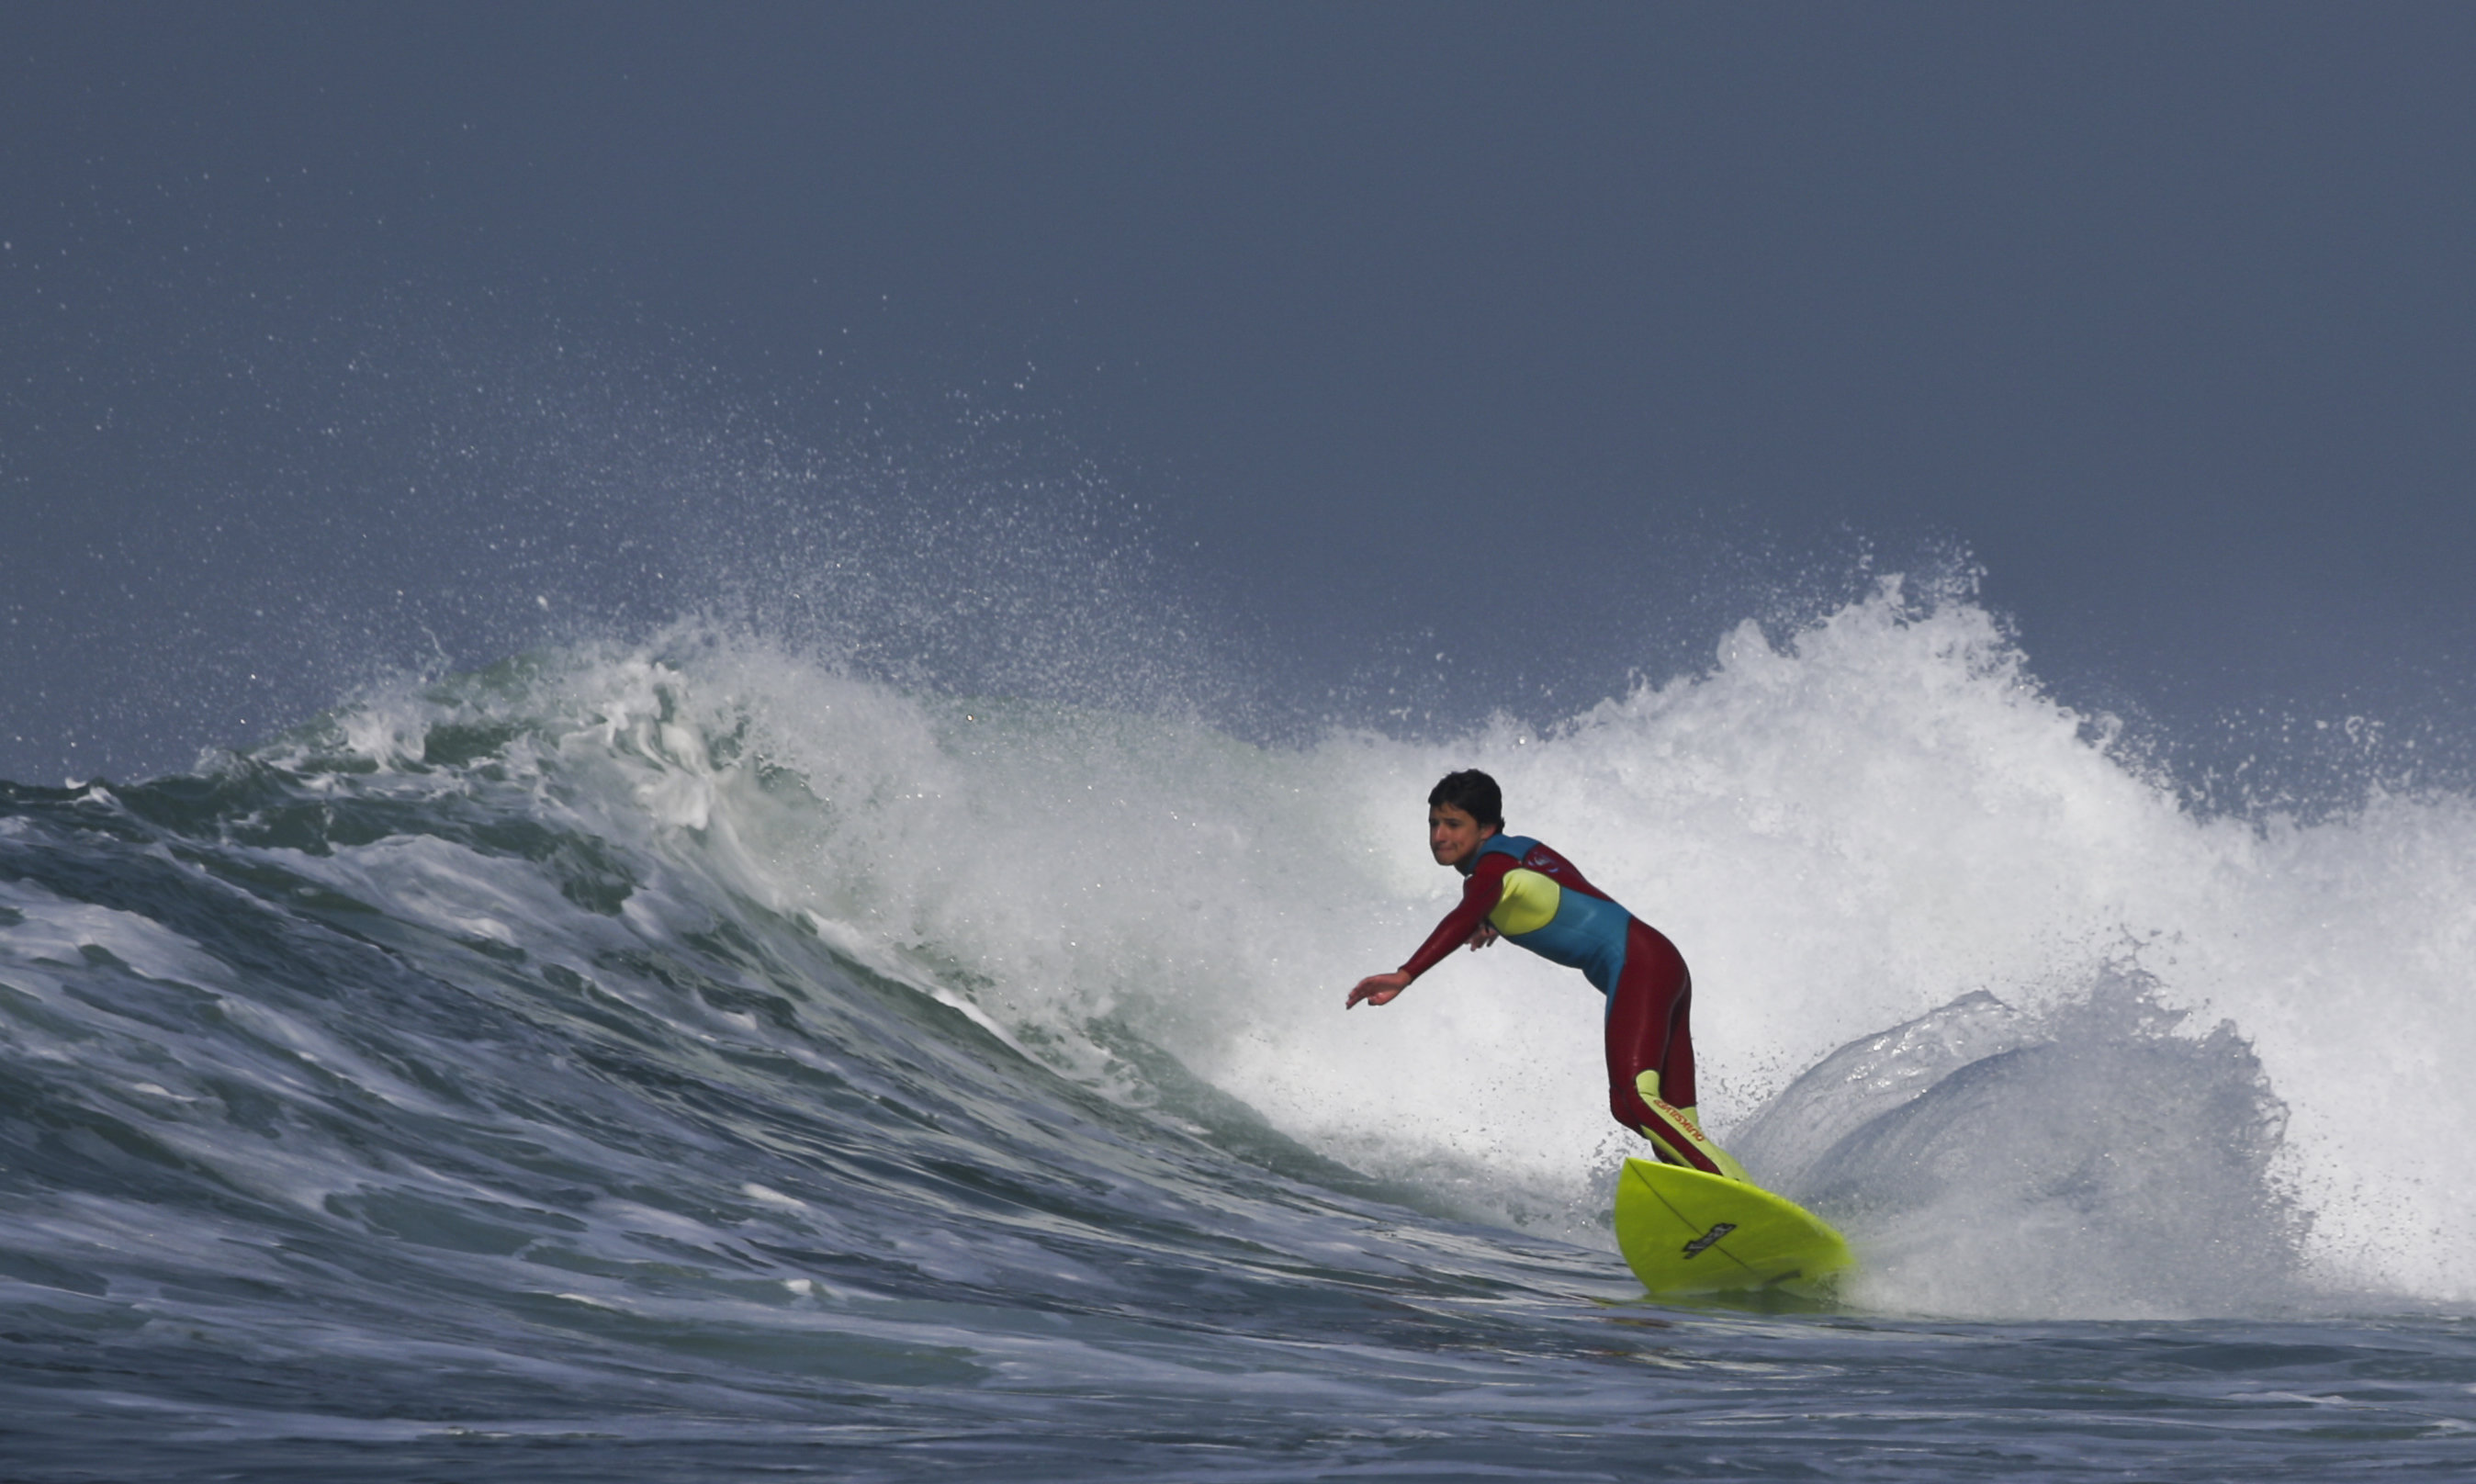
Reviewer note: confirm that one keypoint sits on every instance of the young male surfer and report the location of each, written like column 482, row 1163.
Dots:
column 1528, row 894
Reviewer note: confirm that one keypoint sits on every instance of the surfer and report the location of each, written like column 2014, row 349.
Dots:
column 1522, row 891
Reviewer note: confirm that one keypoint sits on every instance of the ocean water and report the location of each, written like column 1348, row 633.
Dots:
column 691, row 1060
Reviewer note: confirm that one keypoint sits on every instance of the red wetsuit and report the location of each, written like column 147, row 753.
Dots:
column 1628, row 961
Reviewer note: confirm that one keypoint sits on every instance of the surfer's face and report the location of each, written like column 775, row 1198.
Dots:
column 1452, row 835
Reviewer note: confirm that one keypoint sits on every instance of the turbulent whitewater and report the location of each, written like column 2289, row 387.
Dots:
column 690, row 1058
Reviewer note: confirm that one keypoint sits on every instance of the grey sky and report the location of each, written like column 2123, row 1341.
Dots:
column 334, row 333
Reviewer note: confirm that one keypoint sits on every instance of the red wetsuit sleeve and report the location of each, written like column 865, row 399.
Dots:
column 1479, row 897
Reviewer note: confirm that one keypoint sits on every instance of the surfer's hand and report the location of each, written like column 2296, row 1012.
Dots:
column 1379, row 988
column 1485, row 935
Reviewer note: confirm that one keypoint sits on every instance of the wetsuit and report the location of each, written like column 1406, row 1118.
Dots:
column 1535, row 898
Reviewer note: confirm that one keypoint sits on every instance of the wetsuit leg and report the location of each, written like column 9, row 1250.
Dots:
column 1676, row 1063
column 1651, row 1053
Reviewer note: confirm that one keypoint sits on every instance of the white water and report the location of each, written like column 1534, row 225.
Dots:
column 1841, row 835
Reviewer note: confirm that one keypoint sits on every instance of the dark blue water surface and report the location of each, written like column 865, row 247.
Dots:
column 446, row 1104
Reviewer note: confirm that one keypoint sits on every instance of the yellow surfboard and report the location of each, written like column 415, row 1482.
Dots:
column 1685, row 1233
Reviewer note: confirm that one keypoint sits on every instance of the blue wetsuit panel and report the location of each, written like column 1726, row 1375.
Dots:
column 1587, row 934
column 1588, row 931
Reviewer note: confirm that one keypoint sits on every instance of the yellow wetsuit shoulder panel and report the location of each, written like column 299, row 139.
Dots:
column 1528, row 901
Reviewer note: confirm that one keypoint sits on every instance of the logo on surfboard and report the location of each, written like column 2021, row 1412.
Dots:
column 1702, row 1244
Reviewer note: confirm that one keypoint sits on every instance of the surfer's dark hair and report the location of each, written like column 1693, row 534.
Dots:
column 1472, row 792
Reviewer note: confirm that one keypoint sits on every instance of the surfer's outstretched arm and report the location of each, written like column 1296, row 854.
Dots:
column 1379, row 988
column 1466, row 924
